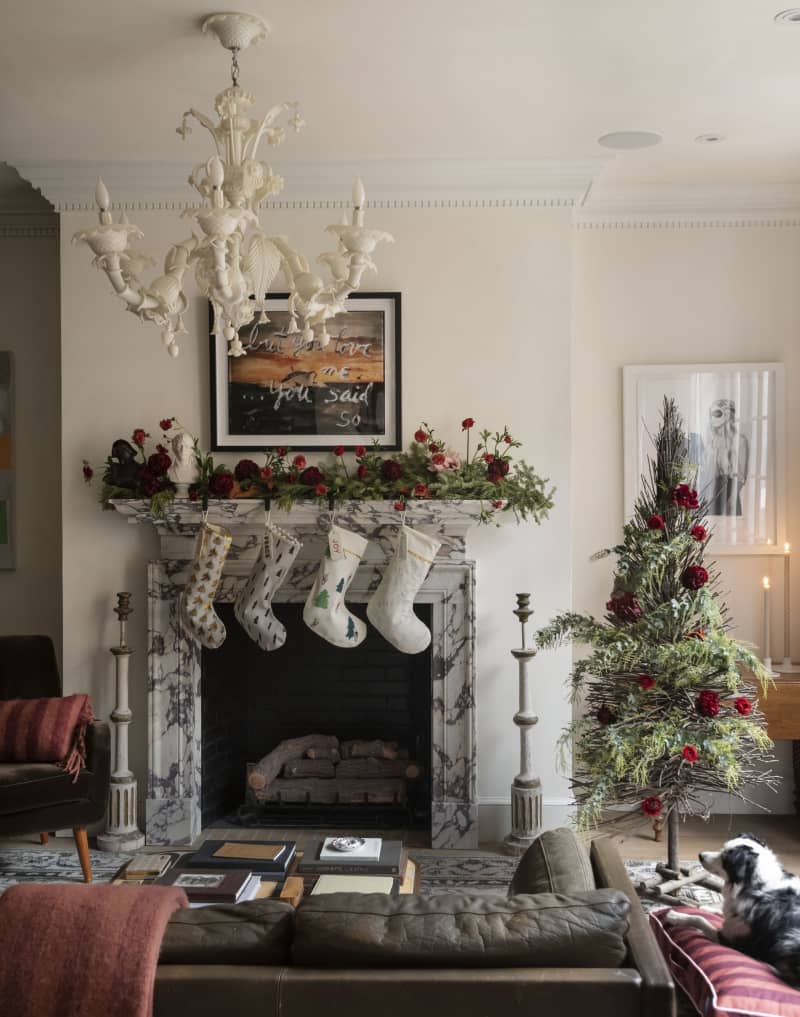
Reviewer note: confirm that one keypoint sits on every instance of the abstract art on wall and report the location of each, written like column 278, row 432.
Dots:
column 6, row 463
column 287, row 391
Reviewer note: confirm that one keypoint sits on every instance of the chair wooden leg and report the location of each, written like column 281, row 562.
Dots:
column 44, row 838
column 82, row 844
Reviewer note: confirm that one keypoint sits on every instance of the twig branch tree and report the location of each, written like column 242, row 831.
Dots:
column 668, row 719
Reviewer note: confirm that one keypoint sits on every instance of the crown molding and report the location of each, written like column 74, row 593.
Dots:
column 401, row 183
column 28, row 224
column 684, row 207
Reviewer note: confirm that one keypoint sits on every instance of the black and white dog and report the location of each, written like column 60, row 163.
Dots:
column 760, row 905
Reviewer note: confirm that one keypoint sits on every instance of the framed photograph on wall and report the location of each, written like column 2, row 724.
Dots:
column 286, row 392
column 6, row 461
column 733, row 415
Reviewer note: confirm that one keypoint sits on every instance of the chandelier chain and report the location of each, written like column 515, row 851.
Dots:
column 235, row 67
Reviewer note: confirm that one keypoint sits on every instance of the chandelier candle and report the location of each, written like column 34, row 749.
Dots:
column 526, row 789
column 234, row 261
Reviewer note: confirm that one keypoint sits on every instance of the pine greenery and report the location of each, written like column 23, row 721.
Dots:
column 667, row 718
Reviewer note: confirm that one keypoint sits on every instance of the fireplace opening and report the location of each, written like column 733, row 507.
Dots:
column 252, row 700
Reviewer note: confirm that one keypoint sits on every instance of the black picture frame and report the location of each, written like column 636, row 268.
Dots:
column 242, row 407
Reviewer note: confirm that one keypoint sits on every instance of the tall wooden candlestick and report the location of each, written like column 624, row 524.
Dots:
column 122, row 831
column 766, row 644
column 786, row 666
column 526, row 789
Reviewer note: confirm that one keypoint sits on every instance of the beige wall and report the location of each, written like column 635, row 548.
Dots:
column 486, row 333
column 30, row 595
column 685, row 295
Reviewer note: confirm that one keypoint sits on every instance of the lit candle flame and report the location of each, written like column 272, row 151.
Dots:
column 787, row 547
column 765, row 582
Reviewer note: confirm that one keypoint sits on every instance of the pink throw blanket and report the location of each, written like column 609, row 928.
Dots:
column 82, row 951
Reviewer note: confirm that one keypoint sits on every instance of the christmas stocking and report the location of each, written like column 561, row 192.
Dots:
column 253, row 606
column 391, row 609
column 196, row 605
column 325, row 610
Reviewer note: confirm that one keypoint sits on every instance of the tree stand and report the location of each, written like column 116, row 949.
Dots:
column 672, row 878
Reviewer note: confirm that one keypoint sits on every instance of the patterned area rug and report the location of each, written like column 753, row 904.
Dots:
column 482, row 873
column 20, row 866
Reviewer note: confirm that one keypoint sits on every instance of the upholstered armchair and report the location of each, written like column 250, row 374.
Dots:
column 39, row 797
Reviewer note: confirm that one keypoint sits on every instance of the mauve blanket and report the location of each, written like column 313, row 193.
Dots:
column 82, row 951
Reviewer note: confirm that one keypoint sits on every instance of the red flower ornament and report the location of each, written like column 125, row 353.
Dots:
column 694, row 577
column 655, row 522
column 166, row 423
column 339, row 450
column 399, row 506
column 311, row 477
column 299, row 462
column 685, row 497
column 743, row 706
column 282, row 452
column 246, row 469
column 646, row 681
column 467, row 423
column 320, row 490
column 625, row 607
column 488, row 458
column 266, row 472
column 605, row 716
column 690, row 753
column 652, row 806
column 497, row 503
column 421, row 490
column 420, row 436
column 363, row 472
column 699, row 533
column 391, row 469
column 360, row 451
column 158, row 464
column 707, row 703
column 138, row 437
column 221, row 484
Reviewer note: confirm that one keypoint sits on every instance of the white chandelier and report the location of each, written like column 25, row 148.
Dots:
column 234, row 261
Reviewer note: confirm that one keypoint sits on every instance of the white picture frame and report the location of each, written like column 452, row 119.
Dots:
column 734, row 417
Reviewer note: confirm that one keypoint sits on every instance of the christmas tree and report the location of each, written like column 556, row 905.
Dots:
column 668, row 719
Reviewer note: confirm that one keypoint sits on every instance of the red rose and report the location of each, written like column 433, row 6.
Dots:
column 467, row 423
column 311, row 477
column 363, row 472
column 421, row 490
column 438, row 458
column 651, row 806
column 166, row 423
column 743, row 706
column 420, row 436
column 246, row 469
column 281, row 453
column 158, row 464
column 625, row 607
column 399, row 506
column 690, row 753
column 220, row 485
column 339, row 450
column 433, row 447
column 685, row 497
column 694, row 577
column 507, row 439
column 299, row 462
column 488, row 457
column 360, row 451
column 391, row 469
column 707, row 703
column 605, row 716
column 266, row 472
column 497, row 469
column 646, row 681
column 162, row 448
column 320, row 489
column 291, row 476
column 497, row 503
column 699, row 532
column 655, row 522
column 88, row 472
column 139, row 436
column 149, row 482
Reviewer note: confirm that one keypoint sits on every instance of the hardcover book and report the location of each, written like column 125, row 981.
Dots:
column 228, row 887
column 353, row 884
column 392, row 862
column 265, row 856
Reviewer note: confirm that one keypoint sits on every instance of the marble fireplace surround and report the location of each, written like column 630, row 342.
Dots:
column 173, row 808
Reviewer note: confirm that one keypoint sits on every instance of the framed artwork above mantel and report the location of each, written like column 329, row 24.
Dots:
column 287, row 392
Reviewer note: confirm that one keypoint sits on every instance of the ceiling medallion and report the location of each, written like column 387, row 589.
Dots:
column 234, row 261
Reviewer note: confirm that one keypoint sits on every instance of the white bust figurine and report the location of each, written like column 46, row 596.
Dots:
column 184, row 470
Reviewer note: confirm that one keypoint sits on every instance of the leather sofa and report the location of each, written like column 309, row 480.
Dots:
column 553, row 947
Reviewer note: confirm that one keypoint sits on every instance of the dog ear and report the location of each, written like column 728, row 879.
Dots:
column 753, row 838
column 739, row 863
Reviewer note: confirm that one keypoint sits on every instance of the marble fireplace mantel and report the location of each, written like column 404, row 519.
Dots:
column 173, row 813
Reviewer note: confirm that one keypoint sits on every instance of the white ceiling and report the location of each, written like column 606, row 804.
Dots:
column 411, row 83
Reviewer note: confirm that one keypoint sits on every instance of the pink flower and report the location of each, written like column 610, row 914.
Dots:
column 444, row 462
column 299, row 462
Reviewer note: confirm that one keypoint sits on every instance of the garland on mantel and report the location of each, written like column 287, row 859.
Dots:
column 428, row 471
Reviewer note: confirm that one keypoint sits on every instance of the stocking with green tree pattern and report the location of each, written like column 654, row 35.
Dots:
column 325, row 611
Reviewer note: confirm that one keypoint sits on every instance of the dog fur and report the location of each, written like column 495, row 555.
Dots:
column 760, row 905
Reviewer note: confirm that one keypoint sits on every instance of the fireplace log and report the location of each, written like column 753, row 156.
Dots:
column 334, row 791
column 371, row 768
column 357, row 749
column 309, row 768
column 319, row 752
column 268, row 768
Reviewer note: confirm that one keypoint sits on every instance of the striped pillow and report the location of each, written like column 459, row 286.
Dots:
column 45, row 731
column 719, row 980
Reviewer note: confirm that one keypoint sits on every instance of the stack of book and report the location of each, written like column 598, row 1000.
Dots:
column 266, row 857
column 378, row 866
column 230, row 887
column 144, row 867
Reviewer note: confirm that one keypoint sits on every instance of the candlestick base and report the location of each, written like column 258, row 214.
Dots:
column 767, row 662
column 786, row 667
column 526, row 817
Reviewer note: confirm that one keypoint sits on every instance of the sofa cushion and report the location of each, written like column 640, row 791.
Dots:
column 253, row 932
column 454, row 931
column 26, row 786
column 556, row 862
column 718, row 979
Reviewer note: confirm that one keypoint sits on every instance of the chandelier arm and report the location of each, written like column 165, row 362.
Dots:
column 251, row 146
column 204, row 121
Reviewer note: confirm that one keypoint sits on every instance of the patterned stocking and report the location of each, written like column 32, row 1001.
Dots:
column 253, row 606
column 325, row 611
column 196, row 604
column 391, row 609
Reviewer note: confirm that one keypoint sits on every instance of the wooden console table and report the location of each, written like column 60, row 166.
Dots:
column 781, row 707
